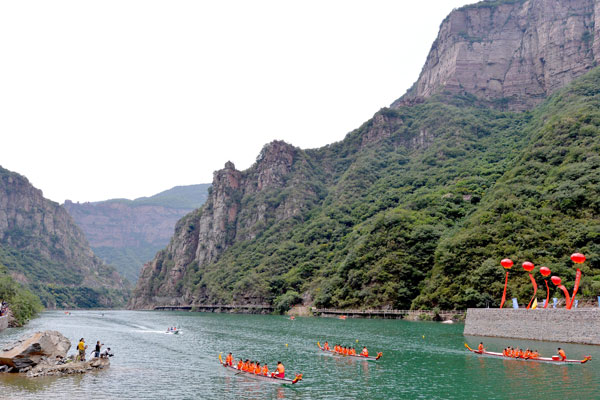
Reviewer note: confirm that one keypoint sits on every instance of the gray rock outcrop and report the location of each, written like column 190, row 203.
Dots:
column 29, row 352
column 513, row 53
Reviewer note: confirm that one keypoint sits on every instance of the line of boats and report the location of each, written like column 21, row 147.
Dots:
column 297, row 377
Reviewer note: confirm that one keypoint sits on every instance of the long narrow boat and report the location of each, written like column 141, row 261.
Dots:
column 539, row 359
column 266, row 378
column 369, row 358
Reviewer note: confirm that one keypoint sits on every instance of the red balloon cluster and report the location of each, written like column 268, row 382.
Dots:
column 545, row 271
column 577, row 258
column 556, row 280
column 506, row 263
column 528, row 266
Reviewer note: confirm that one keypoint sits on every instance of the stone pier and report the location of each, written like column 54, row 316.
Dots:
column 557, row 325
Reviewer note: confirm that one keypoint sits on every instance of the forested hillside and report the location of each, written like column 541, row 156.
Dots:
column 43, row 249
column 416, row 208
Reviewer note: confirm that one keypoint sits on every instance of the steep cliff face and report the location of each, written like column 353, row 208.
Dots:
column 511, row 53
column 128, row 233
column 41, row 245
column 240, row 206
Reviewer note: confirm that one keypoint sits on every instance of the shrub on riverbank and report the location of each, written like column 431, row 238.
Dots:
column 23, row 304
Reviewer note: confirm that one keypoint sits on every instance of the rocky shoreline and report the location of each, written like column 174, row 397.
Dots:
column 45, row 354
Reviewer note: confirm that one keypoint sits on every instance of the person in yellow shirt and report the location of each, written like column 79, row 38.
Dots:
column 81, row 347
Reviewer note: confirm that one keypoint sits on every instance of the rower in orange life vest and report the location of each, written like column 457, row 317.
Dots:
column 480, row 347
column 562, row 354
column 245, row 365
column 364, row 352
column 352, row 352
column 258, row 369
column 280, row 371
column 515, row 352
column 326, row 346
column 527, row 354
column 229, row 360
column 265, row 370
column 240, row 365
column 535, row 354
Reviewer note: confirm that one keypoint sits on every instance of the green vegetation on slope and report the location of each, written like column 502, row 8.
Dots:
column 56, row 286
column 186, row 197
column 372, row 239
column 416, row 208
column 23, row 304
column 127, row 260
column 543, row 209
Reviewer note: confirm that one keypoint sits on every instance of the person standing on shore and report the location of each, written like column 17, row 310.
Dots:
column 81, row 347
column 97, row 349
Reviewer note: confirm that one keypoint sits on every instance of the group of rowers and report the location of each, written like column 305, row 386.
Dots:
column 519, row 353
column 347, row 351
column 254, row 367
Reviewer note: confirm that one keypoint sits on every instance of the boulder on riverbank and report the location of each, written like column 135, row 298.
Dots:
column 29, row 352
column 45, row 354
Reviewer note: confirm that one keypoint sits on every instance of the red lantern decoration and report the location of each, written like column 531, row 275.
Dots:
column 506, row 263
column 528, row 266
column 556, row 280
column 577, row 258
column 545, row 271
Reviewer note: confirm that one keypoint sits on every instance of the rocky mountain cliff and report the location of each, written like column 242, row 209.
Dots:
column 128, row 233
column 511, row 53
column 416, row 207
column 43, row 248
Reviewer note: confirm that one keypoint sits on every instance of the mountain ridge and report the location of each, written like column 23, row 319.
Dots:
column 373, row 216
column 127, row 233
column 42, row 247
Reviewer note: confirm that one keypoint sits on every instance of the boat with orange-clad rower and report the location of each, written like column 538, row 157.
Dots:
column 267, row 378
column 356, row 356
column 550, row 360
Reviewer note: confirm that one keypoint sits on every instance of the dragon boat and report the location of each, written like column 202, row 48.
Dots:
column 549, row 360
column 260, row 377
column 358, row 356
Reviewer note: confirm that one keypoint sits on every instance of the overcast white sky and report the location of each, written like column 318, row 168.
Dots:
column 116, row 98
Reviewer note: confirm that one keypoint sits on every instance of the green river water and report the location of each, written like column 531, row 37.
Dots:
column 421, row 360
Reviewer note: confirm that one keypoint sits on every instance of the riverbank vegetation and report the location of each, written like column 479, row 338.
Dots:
column 23, row 304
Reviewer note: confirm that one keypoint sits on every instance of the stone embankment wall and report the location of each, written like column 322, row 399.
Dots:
column 558, row 325
column 3, row 322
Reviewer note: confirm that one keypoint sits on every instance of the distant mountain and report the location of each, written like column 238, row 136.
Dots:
column 416, row 208
column 128, row 233
column 42, row 248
